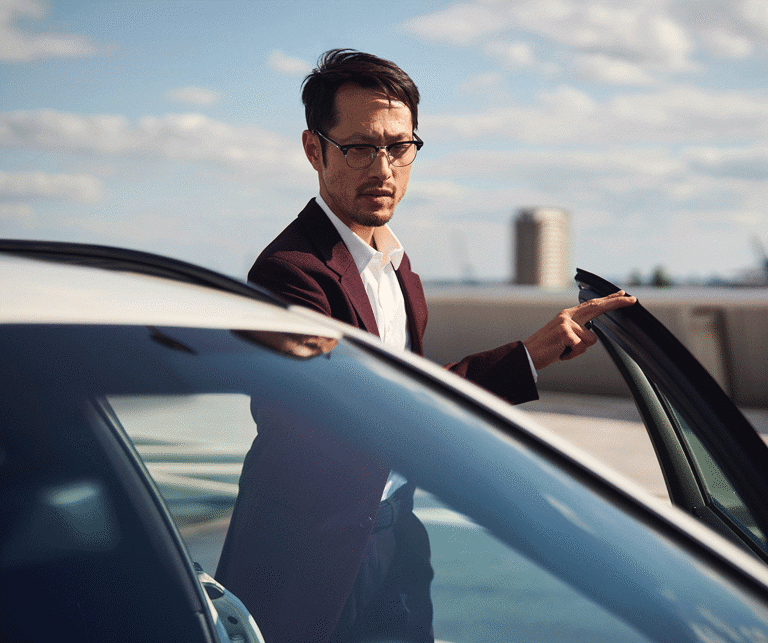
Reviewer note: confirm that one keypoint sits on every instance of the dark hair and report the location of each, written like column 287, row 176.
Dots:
column 339, row 67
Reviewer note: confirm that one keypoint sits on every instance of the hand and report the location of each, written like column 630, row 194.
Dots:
column 567, row 336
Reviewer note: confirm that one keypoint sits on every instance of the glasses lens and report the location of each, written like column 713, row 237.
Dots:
column 360, row 157
column 402, row 154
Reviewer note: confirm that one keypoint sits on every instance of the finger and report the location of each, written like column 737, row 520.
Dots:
column 596, row 307
column 581, row 339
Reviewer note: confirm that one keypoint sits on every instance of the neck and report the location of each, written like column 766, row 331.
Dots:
column 366, row 234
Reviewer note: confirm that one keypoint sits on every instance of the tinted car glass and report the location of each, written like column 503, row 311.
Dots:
column 722, row 496
column 526, row 545
column 477, row 577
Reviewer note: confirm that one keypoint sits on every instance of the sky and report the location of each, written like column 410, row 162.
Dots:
column 175, row 126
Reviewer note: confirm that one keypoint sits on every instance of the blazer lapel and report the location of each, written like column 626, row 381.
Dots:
column 341, row 262
column 415, row 304
column 338, row 258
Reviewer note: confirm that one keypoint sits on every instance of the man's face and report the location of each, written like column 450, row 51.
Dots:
column 362, row 198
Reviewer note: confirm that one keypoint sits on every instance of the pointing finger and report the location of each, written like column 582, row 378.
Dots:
column 596, row 307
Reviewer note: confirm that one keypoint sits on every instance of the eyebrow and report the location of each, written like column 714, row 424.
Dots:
column 365, row 140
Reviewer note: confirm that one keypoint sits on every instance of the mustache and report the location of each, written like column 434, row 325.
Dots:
column 376, row 189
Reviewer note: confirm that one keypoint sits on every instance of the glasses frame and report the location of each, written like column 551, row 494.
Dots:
column 374, row 149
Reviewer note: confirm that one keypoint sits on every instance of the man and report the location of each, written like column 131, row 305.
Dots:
column 340, row 258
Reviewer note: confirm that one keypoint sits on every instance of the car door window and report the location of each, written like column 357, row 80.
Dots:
column 720, row 495
column 85, row 555
column 194, row 445
column 695, row 480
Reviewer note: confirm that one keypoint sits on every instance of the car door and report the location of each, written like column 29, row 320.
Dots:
column 714, row 463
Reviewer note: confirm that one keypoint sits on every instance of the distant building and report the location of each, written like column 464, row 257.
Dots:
column 542, row 244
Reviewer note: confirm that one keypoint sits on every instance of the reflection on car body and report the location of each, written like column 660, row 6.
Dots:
column 528, row 542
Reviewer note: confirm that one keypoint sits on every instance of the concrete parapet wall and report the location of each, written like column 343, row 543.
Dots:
column 725, row 329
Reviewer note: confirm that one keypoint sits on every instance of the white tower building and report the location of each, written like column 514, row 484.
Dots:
column 542, row 242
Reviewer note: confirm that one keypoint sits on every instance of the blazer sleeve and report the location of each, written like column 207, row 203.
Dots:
column 504, row 371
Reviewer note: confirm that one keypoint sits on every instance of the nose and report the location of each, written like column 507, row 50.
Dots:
column 381, row 165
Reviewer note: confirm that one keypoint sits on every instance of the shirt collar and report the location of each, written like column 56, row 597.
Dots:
column 388, row 246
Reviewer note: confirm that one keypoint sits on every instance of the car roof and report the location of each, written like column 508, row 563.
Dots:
column 68, row 284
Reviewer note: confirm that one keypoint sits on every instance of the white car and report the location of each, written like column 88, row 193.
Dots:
column 127, row 391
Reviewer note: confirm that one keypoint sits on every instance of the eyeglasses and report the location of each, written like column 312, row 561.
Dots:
column 362, row 155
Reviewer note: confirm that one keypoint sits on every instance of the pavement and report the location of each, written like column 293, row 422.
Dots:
column 610, row 430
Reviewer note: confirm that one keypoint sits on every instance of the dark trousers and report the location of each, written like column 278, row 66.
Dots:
column 391, row 596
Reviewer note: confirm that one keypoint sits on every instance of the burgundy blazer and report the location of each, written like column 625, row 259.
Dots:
column 292, row 555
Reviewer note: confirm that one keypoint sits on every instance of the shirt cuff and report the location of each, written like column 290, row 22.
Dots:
column 533, row 368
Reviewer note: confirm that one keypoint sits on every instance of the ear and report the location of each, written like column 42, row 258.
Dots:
column 312, row 149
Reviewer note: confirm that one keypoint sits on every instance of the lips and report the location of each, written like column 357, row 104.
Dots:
column 377, row 193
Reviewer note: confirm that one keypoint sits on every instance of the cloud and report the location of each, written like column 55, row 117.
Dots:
column 199, row 96
column 620, row 182
column 612, row 42
column 462, row 23
column 18, row 45
column 639, row 32
column 570, row 100
column 611, row 71
column 283, row 64
column 512, row 55
column 754, row 13
column 724, row 44
column 750, row 164
column 18, row 214
column 430, row 190
column 644, row 33
column 178, row 137
column 730, row 30
column 569, row 115
column 82, row 188
column 492, row 86
column 563, row 170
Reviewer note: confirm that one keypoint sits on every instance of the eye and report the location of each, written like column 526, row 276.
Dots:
column 399, row 150
column 359, row 150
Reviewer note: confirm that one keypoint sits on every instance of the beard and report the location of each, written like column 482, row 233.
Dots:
column 371, row 219
column 369, row 204
column 364, row 209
